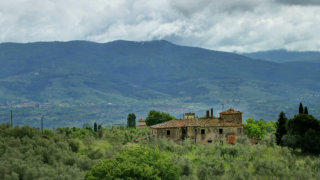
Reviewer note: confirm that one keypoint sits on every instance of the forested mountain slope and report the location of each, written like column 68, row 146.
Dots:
column 71, row 83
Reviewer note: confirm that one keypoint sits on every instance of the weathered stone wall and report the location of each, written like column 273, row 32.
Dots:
column 210, row 133
column 175, row 133
column 213, row 133
column 234, row 118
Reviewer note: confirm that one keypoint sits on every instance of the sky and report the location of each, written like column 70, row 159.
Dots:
column 226, row 25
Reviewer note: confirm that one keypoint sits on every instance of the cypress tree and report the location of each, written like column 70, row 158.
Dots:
column 305, row 110
column 131, row 120
column 281, row 127
column 300, row 108
column 95, row 127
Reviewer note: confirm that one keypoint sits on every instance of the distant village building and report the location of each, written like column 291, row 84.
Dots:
column 202, row 130
column 142, row 123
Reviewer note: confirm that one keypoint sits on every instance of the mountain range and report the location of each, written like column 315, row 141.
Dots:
column 77, row 82
column 282, row 55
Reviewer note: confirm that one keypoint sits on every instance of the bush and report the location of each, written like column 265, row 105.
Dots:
column 269, row 140
column 270, row 168
column 74, row 145
column 136, row 162
column 210, row 168
column 243, row 140
column 95, row 154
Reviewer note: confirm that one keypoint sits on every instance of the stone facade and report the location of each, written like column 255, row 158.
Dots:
column 202, row 130
column 231, row 115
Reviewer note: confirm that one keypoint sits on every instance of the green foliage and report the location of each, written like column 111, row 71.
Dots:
column 281, row 127
column 305, row 111
column 210, row 168
column 303, row 132
column 258, row 128
column 76, row 153
column 100, row 133
column 136, row 162
column 310, row 142
column 26, row 153
column 119, row 135
column 301, row 123
column 94, row 153
column 131, row 120
column 115, row 78
column 300, row 108
column 156, row 117
column 95, row 127
column 74, row 145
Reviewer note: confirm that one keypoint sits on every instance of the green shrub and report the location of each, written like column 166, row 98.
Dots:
column 95, row 154
column 74, row 145
column 210, row 168
column 136, row 162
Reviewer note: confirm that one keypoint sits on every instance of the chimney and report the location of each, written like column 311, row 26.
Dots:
column 207, row 116
column 212, row 112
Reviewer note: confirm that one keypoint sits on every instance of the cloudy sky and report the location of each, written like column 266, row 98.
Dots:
column 229, row 25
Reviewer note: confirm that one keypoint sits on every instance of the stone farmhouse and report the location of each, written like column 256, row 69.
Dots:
column 202, row 130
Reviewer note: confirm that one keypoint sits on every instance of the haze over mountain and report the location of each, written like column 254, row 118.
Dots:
column 283, row 55
column 71, row 83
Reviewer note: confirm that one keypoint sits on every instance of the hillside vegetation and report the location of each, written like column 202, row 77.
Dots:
column 111, row 153
column 71, row 83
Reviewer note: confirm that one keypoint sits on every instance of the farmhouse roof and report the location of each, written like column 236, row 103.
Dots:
column 197, row 122
column 231, row 111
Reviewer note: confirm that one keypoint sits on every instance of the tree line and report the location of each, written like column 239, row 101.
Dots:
column 154, row 117
column 300, row 132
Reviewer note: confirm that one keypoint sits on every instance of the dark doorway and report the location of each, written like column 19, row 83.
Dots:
column 183, row 132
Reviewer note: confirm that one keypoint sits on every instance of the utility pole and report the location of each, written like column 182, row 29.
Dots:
column 11, row 121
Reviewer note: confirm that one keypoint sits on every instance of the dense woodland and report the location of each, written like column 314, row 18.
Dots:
column 72, row 83
column 96, row 152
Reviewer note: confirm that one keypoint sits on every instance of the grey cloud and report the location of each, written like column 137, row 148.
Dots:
column 299, row 2
column 229, row 25
column 190, row 7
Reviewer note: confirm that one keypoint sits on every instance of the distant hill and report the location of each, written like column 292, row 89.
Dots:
column 72, row 83
column 285, row 56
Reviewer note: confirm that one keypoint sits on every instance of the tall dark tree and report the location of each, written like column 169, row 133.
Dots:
column 305, row 110
column 281, row 127
column 304, row 128
column 95, row 127
column 131, row 120
column 301, row 123
column 300, row 108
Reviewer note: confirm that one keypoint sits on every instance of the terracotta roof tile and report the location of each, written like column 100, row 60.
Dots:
column 198, row 122
column 231, row 111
